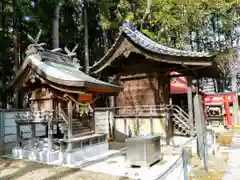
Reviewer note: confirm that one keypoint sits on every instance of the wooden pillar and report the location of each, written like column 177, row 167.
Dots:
column 69, row 123
column 125, row 127
column 168, row 123
column 151, row 122
column 93, row 121
column 198, row 85
column 46, row 130
column 50, row 128
column 190, row 104
column 18, row 133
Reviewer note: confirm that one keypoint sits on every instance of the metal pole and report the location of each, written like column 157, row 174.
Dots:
column 234, row 86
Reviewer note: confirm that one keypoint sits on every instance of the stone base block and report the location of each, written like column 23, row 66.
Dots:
column 35, row 155
column 83, row 153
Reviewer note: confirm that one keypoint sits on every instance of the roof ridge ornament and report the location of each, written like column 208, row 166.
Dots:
column 72, row 54
column 35, row 46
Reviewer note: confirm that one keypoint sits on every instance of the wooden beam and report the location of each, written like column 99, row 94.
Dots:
column 69, row 119
column 190, row 104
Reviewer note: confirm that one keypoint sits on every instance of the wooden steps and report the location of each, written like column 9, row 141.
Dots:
column 77, row 128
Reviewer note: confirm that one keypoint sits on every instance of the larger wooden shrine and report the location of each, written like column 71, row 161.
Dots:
column 61, row 100
column 143, row 68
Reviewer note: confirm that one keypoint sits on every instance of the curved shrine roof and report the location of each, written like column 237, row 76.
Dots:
column 58, row 71
column 133, row 41
column 148, row 44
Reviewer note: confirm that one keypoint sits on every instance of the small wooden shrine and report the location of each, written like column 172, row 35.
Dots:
column 143, row 68
column 61, row 99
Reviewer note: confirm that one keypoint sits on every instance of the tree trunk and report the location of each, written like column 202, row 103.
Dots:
column 55, row 28
column 15, row 40
column 2, row 32
column 106, row 43
column 147, row 12
column 86, row 38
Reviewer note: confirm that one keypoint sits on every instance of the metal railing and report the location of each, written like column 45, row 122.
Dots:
column 179, row 110
column 136, row 111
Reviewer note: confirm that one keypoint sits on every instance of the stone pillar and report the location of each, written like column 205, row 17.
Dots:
column 33, row 132
column 50, row 135
column 235, row 103
column 190, row 104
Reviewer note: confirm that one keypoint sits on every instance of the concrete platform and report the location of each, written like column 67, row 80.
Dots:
column 115, row 165
column 114, row 162
column 35, row 155
column 83, row 153
column 99, row 158
column 59, row 158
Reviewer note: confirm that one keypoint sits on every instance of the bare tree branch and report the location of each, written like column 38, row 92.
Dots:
column 147, row 12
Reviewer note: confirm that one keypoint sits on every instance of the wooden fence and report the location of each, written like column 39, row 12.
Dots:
column 8, row 129
column 122, row 122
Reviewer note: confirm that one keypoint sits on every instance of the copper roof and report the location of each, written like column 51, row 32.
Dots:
column 57, row 69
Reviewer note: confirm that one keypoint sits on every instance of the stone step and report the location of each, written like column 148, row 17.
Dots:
column 81, row 131
column 77, row 122
column 80, row 127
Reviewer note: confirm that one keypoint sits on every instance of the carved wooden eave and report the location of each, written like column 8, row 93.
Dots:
column 133, row 41
column 56, row 71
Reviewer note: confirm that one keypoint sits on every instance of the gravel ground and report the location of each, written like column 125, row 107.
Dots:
column 27, row 170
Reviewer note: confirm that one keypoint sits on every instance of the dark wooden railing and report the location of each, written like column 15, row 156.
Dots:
column 140, row 111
